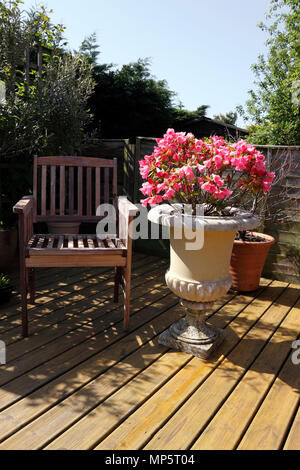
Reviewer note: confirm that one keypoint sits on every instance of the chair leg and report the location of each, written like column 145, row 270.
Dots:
column 31, row 283
column 23, row 289
column 127, row 293
column 118, row 275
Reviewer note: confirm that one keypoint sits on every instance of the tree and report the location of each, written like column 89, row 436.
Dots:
column 90, row 48
column 129, row 101
column 228, row 118
column 43, row 110
column 273, row 109
column 181, row 115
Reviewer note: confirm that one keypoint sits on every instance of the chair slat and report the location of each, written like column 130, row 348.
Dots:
column 53, row 191
column 70, row 241
column 41, row 242
column 115, row 182
column 120, row 244
column 79, row 191
column 90, row 243
column 91, row 162
column 80, row 242
column 89, row 191
column 60, row 244
column 51, row 241
column 35, row 188
column 62, row 195
column 100, row 243
column 110, row 243
column 33, row 242
column 106, row 186
column 44, row 191
column 97, row 189
column 71, row 190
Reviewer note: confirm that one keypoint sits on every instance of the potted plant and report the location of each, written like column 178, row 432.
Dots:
column 203, row 182
column 5, row 289
column 273, row 208
column 8, row 239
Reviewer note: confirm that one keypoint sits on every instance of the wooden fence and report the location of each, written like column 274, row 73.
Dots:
column 283, row 262
column 284, row 259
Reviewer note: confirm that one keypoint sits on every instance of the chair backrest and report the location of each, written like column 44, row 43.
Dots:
column 72, row 188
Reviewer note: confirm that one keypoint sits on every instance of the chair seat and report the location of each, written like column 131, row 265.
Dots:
column 50, row 245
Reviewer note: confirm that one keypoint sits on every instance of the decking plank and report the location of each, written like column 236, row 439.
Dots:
column 271, row 423
column 63, row 293
column 198, row 411
column 227, row 428
column 293, row 439
column 81, row 382
column 74, row 308
column 54, row 344
column 80, row 344
column 179, row 431
column 83, row 373
column 82, row 295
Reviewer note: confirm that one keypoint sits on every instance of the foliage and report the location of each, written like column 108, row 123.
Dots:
column 66, row 87
column 274, row 106
column 4, row 281
column 278, row 206
column 43, row 110
column 132, row 91
column 208, row 171
column 181, row 115
column 130, row 101
column 228, row 118
column 90, row 49
column 36, row 108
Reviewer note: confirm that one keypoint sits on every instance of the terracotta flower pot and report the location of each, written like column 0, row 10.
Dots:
column 247, row 262
column 8, row 247
column 5, row 294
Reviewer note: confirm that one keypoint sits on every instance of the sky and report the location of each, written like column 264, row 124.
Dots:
column 204, row 49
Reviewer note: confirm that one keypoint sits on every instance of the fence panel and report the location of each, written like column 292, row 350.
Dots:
column 283, row 262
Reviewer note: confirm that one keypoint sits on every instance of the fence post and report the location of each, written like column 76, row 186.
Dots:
column 136, row 168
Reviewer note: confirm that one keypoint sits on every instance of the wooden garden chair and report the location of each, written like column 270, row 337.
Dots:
column 70, row 189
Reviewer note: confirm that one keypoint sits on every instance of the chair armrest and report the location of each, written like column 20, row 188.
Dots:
column 24, row 206
column 24, row 209
column 126, row 207
column 127, row 212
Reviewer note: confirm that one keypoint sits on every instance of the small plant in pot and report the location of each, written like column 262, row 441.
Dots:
column 211, row 178
column 5, row 289
column 274, row 207
column 249, row 254
column 8, row 240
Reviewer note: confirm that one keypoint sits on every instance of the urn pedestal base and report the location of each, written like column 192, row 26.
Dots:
column 192, row 334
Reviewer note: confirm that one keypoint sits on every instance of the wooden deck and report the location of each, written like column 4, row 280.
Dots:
column 80, row 382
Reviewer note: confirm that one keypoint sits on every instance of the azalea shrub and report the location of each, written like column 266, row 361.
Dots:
column 209, row 171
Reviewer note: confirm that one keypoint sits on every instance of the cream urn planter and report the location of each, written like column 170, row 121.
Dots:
column 199, row 272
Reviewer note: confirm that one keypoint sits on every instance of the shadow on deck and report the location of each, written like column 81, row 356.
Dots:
column 81, row 382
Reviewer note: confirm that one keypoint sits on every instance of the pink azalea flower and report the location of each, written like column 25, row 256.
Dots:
column 169, row 194
column 218, row 180
column 218, row 162
column 177, row 155
column 189, row 173
column 147, row 189
column 161, row 187
column 176, row 186
column 209, row 188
